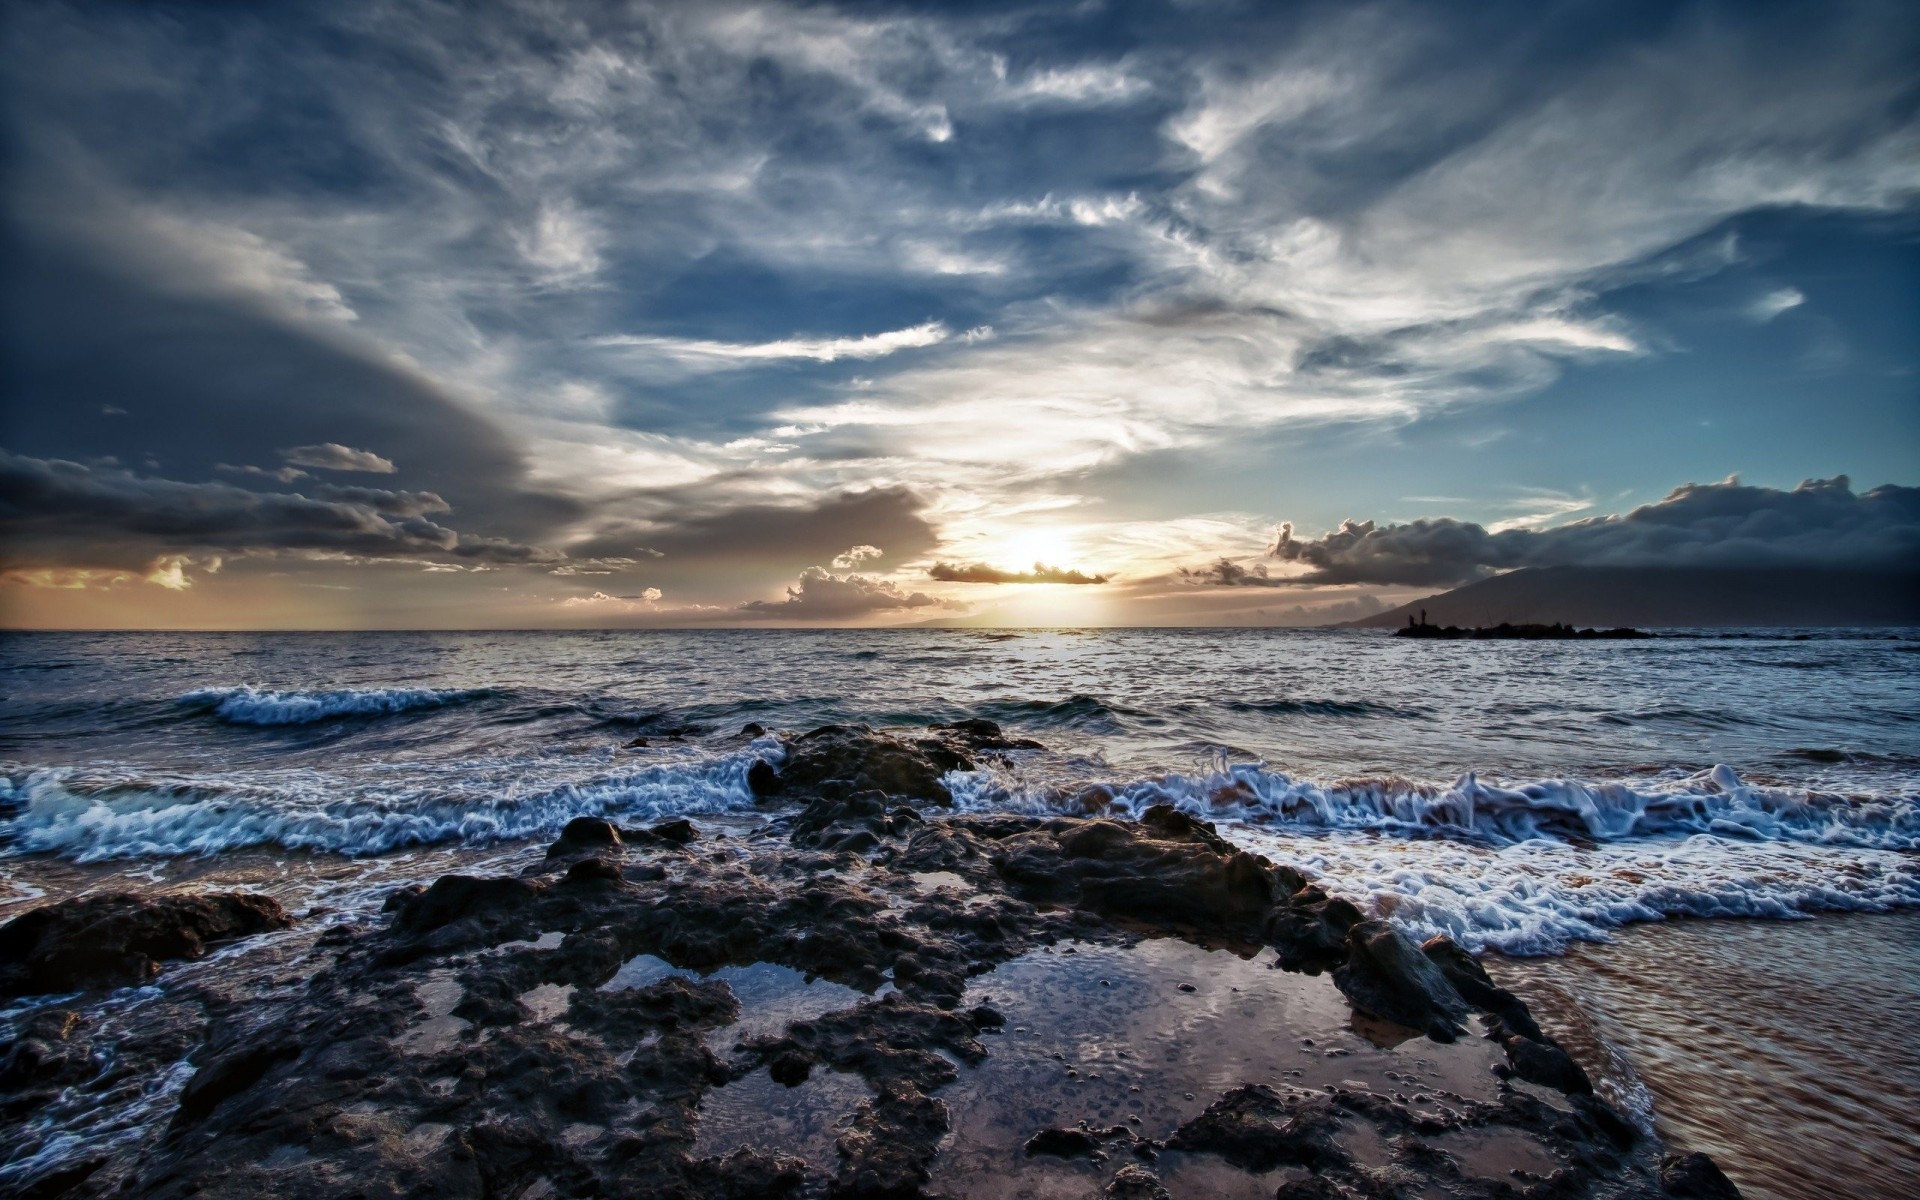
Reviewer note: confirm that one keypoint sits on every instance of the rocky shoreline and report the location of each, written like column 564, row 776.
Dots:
column 564, row 1031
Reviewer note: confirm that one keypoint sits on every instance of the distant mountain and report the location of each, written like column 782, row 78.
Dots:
column 1656, row 597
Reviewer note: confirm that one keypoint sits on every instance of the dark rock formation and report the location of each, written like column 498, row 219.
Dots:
column 120, row 940
column 843, row 759
column 585, row 835
column 1386, row 975
column 1515, row 633
column 1166, row 869
column 1135, row 1182
column 1257, row 1128
column 455, row 1051
column 1309, row 928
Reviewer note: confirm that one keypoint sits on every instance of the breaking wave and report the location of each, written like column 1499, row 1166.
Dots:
column 255, row 706
column 1530, row 868
column 58, row 811
column 1715, row 802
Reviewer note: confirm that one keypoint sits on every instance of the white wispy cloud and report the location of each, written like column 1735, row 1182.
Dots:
column 696, row 351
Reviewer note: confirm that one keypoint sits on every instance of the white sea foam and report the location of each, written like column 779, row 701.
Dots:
column 96, row 817
column 255, row 706
column 1528, row 869
column 1716, row 802
column 1537, row 896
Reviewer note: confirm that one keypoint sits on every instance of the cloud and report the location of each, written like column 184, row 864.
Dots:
column 711, row 355
column 332, row 456
column 277, row 474
column 855, row 556
column 947, row 572
column 1226, row 572
column 1822, row 522
column 1771, row 305
column 702, row 535
column 822, row 595
column 58, row 514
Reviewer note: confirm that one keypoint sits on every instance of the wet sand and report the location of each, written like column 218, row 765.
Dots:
column 1788, row 1050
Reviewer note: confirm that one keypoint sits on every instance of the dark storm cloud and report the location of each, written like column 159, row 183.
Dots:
column 1822, row 522
column 209, row 379
column 695, row 531
column 59, row 514
column 822, row 595
column 947, row 572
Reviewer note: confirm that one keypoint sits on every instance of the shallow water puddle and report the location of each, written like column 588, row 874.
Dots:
column 439, row 993
column 1496, row 1153
column 771, row 996
column 1147, row 1036
column 803, row 1121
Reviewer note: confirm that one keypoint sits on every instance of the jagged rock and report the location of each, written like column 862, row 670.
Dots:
column 762, row 779
column 857, row 759
column 1695, row 1177
column 1386, row 974
column 1477, row 988
column 1169, row 874
column 454, row 897
column 1135, row 1182
column 977, row 733
column 887, row 1153
column 120, row 940
column 1546, row 1064
column 677, row 832
column 1309, row 928
column 1063, row 1143
column 853, row 823
column 227, row 1077
column 585, row 835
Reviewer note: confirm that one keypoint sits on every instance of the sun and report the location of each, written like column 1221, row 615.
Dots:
column 1021, row 551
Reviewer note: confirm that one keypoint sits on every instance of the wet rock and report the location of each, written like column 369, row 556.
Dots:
column 1063, row 1143
column 592, row 870
column 120, row 940
column 1695, row 1177
column 763, row 780
column 1083, row 1142
column 887, row 1153
column 585, row 835
column 1135, row 1182
column 859, row 760
column 1170, row 876
column 1546, row 1064
column 1387, row 976
column 457, row 897
column 1316, row 1187
column 1477, row 988
column 851, row 824
column 677, row 832
column 1309, row 928
column 44, row 1058
column 979, row 734
column 1257, row 1129
column 227, row 1077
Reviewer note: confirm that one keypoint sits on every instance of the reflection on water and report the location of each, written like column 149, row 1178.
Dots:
column 1790, row 1051
column 1146, row 1037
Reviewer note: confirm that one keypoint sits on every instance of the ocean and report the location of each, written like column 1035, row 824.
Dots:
column 1518, row 796
column 1524, row 798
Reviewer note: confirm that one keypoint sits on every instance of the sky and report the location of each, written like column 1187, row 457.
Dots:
column 418, row 315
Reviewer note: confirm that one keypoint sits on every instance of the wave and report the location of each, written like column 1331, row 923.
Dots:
column 1715, row 802
column 1322, row 708
column 57, row 811
column 255, row 706
column 1087, row 713
column 1538, row 897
